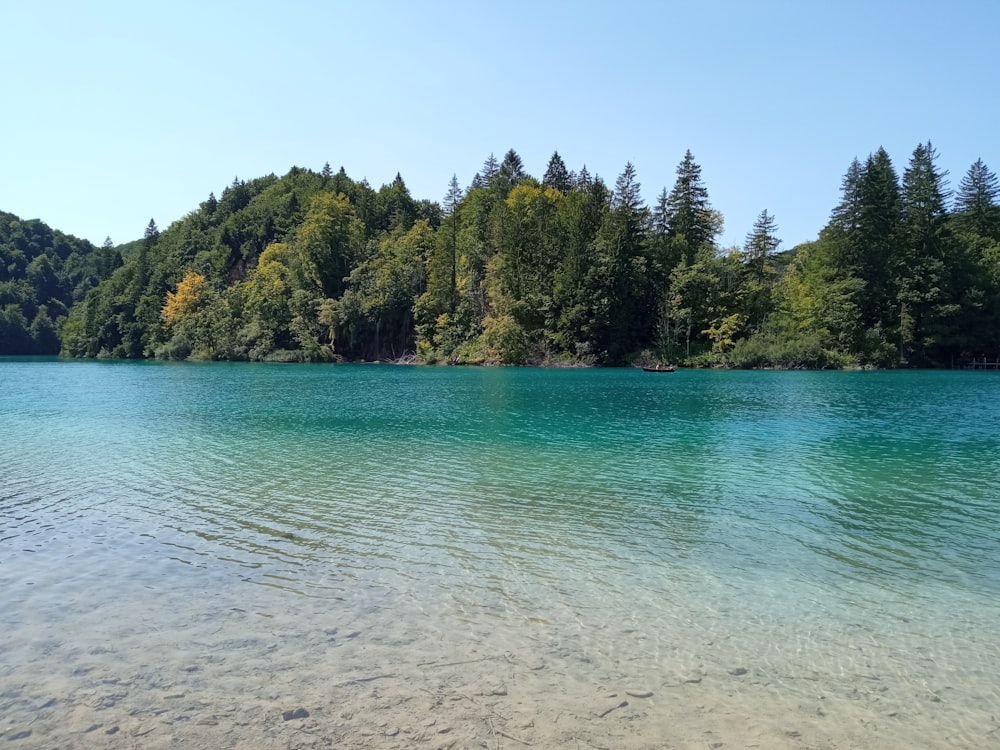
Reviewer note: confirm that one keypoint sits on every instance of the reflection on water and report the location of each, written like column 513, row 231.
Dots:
column 231, row 524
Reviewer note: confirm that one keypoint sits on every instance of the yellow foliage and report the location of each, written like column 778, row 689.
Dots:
column 722, row 335
column 186, row 300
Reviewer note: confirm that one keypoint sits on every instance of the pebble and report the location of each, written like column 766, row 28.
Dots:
column 295, row 713
column 738, row 671
column 640, row 693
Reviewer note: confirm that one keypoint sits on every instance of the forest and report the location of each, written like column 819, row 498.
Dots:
column 512, row 269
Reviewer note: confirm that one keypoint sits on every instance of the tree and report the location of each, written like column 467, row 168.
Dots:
column 44, row 336
column 759, row 273
column 976, row 202
column 556, row 175
column 491, row 167
column 185, row 300
column 383, row 289
column 874, row 249
column 152, row 234
column 926, row 284
column 330, row 238
column 861, row 244
column 690, row 214
column 620, row 313
column 452, row 202
column 760, row 243
column 510, row 174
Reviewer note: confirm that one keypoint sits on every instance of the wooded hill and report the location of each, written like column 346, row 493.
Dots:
column 314, row 266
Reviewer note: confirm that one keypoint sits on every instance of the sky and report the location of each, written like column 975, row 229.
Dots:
column 118, row 112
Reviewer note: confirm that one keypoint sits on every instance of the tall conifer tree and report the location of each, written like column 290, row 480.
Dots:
column 689, row 209
column 925, row 267
column 556, row 175
column 976, row 203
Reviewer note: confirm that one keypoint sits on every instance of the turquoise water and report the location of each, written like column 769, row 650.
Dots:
column 793, row 558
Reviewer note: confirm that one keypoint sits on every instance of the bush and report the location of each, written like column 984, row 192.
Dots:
column 803, row 353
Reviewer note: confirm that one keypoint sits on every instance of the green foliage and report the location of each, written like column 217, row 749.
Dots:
column 314, row 266
column 43, row 272
column 770, row 352
column 688, row 212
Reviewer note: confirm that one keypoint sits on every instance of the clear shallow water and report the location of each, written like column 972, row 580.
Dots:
column 797, row 559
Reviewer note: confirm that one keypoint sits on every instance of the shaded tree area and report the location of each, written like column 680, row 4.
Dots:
column 43, row 274
column 315, row 266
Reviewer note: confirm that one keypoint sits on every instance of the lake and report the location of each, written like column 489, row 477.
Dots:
column 248, row 555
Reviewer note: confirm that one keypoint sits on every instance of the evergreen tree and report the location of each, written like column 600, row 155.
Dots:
column 926, row 293
column 452, row 201
column 453, row 197
column 618, row 284
column 761, row 243
column 663, row 258
column 845, row 218
column 859, row 248
column 556, row 175
column 511, row 172
column 151, row 235
column 876, row 242
column 689, row 210
column 976, row 203
column 490, row 169
column 627, row 195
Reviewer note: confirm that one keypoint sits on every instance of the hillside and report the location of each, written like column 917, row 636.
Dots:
column 315, row 266
column 43, row 273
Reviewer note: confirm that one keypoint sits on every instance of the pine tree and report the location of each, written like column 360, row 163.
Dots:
column 926, row 293
column 452, row 201
column 875, row 249
column 759, row 274
column 618, row 284
column 151, row 235
column 627, row 193
column 845, row 219
column 511, row 172
column 490, row 169
column 689, row 209
column 453, row 197
column 556, row 175
column 976, row 204
column 861, row 243
column 661, row 214
column 761, row 242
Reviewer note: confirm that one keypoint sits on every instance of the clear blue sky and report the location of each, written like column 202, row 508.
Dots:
column 116, row 112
